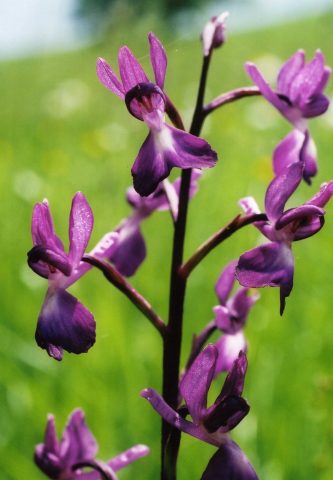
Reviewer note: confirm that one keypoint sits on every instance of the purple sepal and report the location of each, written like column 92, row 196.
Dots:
column 81, row 221
column 167, row 148
column 64, row 323
column 229, row 463
column 269, row 265
column 130, row 249
column 158, row 59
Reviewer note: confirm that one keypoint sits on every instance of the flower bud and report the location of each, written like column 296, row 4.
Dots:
column 213, row 33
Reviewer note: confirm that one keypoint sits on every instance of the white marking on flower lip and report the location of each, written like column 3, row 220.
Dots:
column 163, row 140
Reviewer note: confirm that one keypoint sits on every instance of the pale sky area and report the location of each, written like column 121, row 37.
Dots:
column 28, row 26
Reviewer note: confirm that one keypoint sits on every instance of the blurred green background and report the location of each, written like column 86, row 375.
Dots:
column 61, row 131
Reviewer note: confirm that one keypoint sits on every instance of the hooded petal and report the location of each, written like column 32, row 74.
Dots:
column 45, row 261
column 196, row 382
column 316, row 106
column 271, row 264
column 309, row 78
column 301, row 215
column 130, row 69
column 81, row 222
column 281, row 188
column 228, row 347
column 108, row 78
column 289, row 71
column 225, row 282
column 158, row 59
column 77, row 444
column 130, row 250
column 240, row 305
column 234, row 383
column 226, row 415
column 47, row 453
column 64, row 323
column 229, row 463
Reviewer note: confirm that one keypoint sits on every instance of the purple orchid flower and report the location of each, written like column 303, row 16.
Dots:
column 210, row 424
column 299, row 96
column 64, row 323
column 230, row 318
column 130, row 248
column 213, row 34
column 165, row 147
column 229, row 462
column 272, row 264
column 60, row 460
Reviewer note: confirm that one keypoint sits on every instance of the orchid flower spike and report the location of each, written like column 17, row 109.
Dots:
column 65, row 459
column 209, row 424
column 165, row 147
column 64, row 323
column 272, row 264
column 299, row 96
column 230, row 317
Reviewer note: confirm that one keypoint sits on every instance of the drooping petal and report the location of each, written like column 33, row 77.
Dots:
column 165, row 149
column 130, row 250
column 64, row 323
column 228, row 347
column 77, row 444
column 225, row 282
column 130, row 69
column 265, row 89
column 158, row 59
column 269, row 265
column 81, row 222
column 226, row 414
column 288, row 151
column 289, row 71
column 108, row 78
column 128, row 457
column 229, row 463
column 196, row 382
column 281, row 188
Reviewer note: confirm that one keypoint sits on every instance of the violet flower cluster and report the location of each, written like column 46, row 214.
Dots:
column 64, row 323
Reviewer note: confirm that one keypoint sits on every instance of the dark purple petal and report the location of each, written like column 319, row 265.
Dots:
column 265, row 89
column 270, row 265
column 165, row 149
column 228, row 347
column 317, row 105
column 64, row 323
column 299, row 215
column 289, row 71
column 130, row 69
column 308, row 227
column 158, row 59
column 234, row 383
column 229, row 463
column 44, row 261
column 108, row 78
column 196, row 382
column 288, row 151
column 130, row 249
column 77, row 443
column 281, row 189
column 225, row 282
column 306, row 83
column 81, row 222
column 226, row 415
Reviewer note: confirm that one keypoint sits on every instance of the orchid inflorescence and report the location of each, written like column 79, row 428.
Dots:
column 65, row 324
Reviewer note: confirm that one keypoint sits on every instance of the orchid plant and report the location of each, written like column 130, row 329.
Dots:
column 65, row 324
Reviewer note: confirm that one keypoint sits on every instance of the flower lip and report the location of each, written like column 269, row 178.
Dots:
column 143, row 92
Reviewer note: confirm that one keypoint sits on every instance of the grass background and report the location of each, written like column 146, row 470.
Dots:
column 61, row 131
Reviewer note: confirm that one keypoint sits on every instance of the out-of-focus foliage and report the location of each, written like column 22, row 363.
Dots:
column 61, row 131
